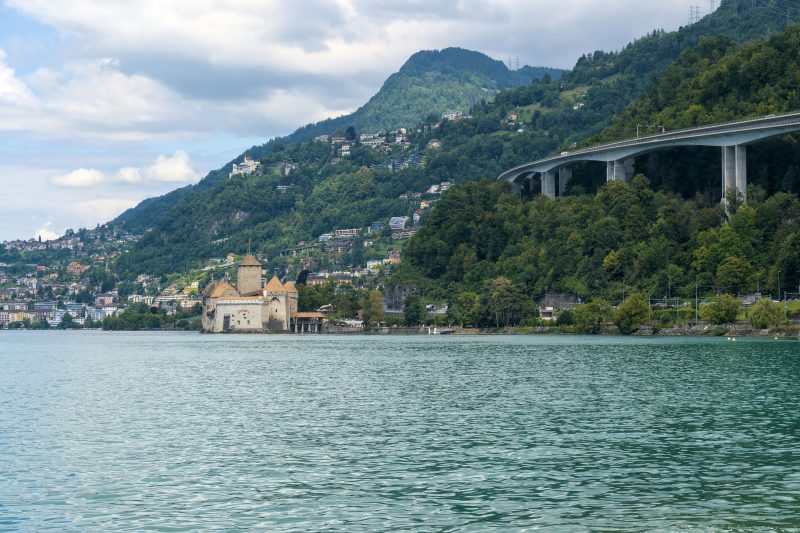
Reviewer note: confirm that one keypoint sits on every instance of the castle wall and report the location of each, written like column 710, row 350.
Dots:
column 235, row 315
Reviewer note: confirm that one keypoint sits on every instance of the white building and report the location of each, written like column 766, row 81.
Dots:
column 248, row 166
column 398, row 223
column 346, row 233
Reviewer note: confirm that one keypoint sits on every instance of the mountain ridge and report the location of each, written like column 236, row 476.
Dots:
column 438, row 80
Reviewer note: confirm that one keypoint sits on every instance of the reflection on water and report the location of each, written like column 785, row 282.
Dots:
column 184, row 431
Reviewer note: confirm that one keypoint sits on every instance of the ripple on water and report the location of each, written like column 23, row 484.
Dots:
column 186, row 432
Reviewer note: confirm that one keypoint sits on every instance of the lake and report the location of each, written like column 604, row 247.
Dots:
column 179, row 432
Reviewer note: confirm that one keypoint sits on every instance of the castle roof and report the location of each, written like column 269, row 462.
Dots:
column 274, row 285
column 250, row 261
column 290, row 288
column 218, row 289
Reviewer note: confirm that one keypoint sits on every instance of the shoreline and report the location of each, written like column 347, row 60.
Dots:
column 735, row 330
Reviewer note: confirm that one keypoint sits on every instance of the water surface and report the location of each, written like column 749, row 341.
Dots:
column 178, row 432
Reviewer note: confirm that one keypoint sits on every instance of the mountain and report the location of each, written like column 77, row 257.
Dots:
column 220, row 215
column 430, row 82
column 666, row 232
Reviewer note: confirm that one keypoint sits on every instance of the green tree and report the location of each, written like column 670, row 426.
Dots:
column 373, row 308
column 632, row 313
column 465, row 310
column 723, row 311
column 589, row 317
column 764, row 313
column 732, row 274
column 40, row 323
column 67, row 322
column 413, row 310
column 505, row 303
column 566, row 317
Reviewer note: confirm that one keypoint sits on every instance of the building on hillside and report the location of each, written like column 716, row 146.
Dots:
column 338, row 247
column 75, row 268
column 398, row 223
column 392, row 257
column 251, row 306
column 552, row 303
column 346, row 233
column 103, row 300
column 248, row 166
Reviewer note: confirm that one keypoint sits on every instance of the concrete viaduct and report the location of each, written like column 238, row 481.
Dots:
column 731, row 137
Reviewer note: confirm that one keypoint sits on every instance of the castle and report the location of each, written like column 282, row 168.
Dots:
column 252, row 306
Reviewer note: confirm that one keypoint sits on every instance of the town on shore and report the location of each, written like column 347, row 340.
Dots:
column 233, row 295
column 341, row 282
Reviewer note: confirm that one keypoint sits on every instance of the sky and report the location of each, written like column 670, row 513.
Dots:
column 104, row 103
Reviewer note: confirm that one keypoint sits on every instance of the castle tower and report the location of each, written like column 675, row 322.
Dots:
column 249, row 276
column 291, row 297
column 276, row 314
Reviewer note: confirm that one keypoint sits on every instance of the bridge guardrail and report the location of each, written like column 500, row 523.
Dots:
column 712, row 129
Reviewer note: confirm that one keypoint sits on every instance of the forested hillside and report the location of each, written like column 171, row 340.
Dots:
column 661, row 236
column 220, row 214
column 710, row 83
column 625, row 238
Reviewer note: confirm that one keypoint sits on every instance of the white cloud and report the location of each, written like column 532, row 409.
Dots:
column 90, row 99
column 12, row 89
column 343, row 37
column 175, row 169
column 82, row 177
column 129, row 175
column 46, row 232
column 146, row 70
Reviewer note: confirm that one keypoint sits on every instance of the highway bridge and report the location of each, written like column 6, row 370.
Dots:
column 732, row 137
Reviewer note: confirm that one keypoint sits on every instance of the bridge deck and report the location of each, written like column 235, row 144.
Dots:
column 728, row 133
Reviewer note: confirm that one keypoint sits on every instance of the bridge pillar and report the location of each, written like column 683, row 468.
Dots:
column 620, row 170
column 630, row 169
column 516, row 187
column 549, row 184
column 734, row 170
column 564, row 177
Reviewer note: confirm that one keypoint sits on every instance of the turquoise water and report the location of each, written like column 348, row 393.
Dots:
column 178, row 432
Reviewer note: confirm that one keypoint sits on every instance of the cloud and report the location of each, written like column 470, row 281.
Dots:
column 175, row 169
column 89, row 99
column 46, row 232
column 82, row 177
column 129, row 175
column 12, row 89
column 111, row 85
column 145, row 70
